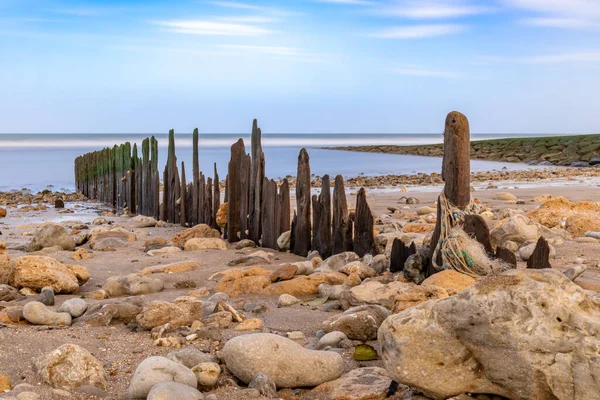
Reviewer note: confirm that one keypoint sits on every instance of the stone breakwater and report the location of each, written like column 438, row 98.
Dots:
column 578, row 151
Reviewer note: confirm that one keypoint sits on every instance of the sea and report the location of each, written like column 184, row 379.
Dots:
column 45, row 161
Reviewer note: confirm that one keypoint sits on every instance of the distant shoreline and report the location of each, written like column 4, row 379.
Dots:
column 573, row 150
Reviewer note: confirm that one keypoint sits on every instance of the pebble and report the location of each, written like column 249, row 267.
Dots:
column 286, row 300
column 331, row 340
column 174, row 391
column 265, row 385
column 46, row 296
column 207, row 373
column 76, row 307
column 155, row 370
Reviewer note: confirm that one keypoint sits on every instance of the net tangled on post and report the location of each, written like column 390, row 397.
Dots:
column 458, row 251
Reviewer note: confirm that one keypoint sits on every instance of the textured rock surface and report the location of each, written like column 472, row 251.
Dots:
column 174, row 391
column 71, row 366
column 38, row 314
column 370, row 383
column 179, row 313
column 132, row 285
column 205, row 244
column 373, row 292
column 525, row 334
column 450, row 280
column 36, row 272
column 358, row 323
column 198, row 231
column 52, row 235
column 155, row 370
column 286, row 362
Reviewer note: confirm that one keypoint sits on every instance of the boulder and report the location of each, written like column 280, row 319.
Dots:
column 8, row 293
column 373, row 292
column 331, row 292
column 357, row 267
column 38, row 314
column 245, row 244
column 287, row 363
column 358, row 384
column 164, row 250
column 207, row 374
column 580, row 216
column 36, row 272
column 4, row 264
column 416, row 295
column 118, row 233
column 526, row 251
column 70, row 367
column 517, row 228
column 331, row 339
column 358, row 323
column 284, row 273
column 104, row 315
column 179, row 313
column 425, row 210
column 190, row 356
column 200, row 231
column 505, row 196
column 450, row 280
column 336, row 262
column 205, row 244
column 222, row 215
column 142, row 221
column 132, row 285
column 81, row 254
column 236, row 282
column 109, row 243
column 305, row 285
column 174, row 390
column 155, row 370
column 517, row 335
column 181, row 266
column 52, row 235
column 286, row 300
column 283, row 242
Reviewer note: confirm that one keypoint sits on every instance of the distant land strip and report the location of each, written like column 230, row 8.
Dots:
column 576, row 151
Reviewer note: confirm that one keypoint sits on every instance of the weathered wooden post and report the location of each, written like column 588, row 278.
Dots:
column 234, row 190
column 364, row 242
column 183, row 207
column 324, row 239
column 540, row 258
column 342, row 230
column 400, row 253
column 216, row 198
column 283, row 208
column 195, row 178
column 268, row 213
column 245, row 194
column 257, row 174
column 154, row 189
column 301, row 233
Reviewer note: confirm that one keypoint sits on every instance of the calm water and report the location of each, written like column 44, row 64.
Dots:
column 35, row 161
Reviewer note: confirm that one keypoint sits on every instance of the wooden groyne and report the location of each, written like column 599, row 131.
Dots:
column 258, row 208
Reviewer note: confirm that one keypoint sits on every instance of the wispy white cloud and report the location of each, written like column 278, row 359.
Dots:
column 297, row 53
column 417, row 31
column 273, row 11
column 259, row 19
column 350, row 2
column 416, row 71
column 80, row 11
column 207, row 27
column 431, row 9
column 569, row 14
column 592, row 57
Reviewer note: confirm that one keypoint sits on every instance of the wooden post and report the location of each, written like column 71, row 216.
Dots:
column 257, row 174
column 154, row 188
column 324, row 239
column 400, row 253
column 284, row 207
column 302, row 227
column 183, row 208
column 216, row 199
column 540, row 258
column 195, row 178
column 244, row 194
column 316, row 221
column 268, row 212
column 342, row 230
column 364, row 242
column 234, row 191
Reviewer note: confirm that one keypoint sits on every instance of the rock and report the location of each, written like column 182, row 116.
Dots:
column 331, row 292
column 415, row 268
column 207, row 373
column 155, row 370
column 283, row 242
column 236, row 282
column 222, row 215
column 579, row 224
column 380, row 263
column 2, row 212
column 174, row 390
column 81, row 254
column 426, row 210
column 4, row 384
column 109, row 243
column 526, row 251
column 450, row 280
column 179, row 313
column 357, row 267
column 46, row 296
column 164, row 250
column 290, row 365
column 248, row 261
column 336, row 262
column 517, row 228
column 574, row 272
column 505, row 196
column 358, row 384
column 181, row 266
column 71, row 366
column 4, row 264
column 305, row 285
column 75, row 307
column 516, row 335
column 358, row 323
column 417, row 295
column 201, row 231
column 580, row 164
column 511, row 246
column 245, row 243
column 103, row 315
column 142, row 221
column 284, row 273
column 190, row 356
column 265, row 385
column 331, row 339
column 27, row 396
column 251, row 324
column 205, row 244
column 579, row 217
column 132, row 285
column 117, row 233
column 373, row 292
column 38, row 314
column 36, row 272
column 286, row 300
column 8, row 293
column 52, row 235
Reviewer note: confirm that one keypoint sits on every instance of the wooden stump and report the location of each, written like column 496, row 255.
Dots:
column 507, row 256
column 342, row 230
column 216, row 199
column 257, row 175
column 302, row 227
column 195, row 178
column 540, row 258
column 475, row 226
column 364, row 242
column 324, row 234
column 400, row 253
column 234, row 190
column 183, row 217
column 268, row 212
column 284, row 208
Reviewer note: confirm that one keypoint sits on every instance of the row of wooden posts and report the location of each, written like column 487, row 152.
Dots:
column 258, row 208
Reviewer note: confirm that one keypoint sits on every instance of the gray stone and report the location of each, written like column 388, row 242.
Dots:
column 595, row 235
column 574, row 272
column 286, row 362
column 46, row 296
column 331, row 339
column 190, row 356
column 265, row 385
column 336, row 262
column 332, row 292
column 580, row 164
column 380, row 263
column 415, row 268
column 174, row 391
column 75, row 306
column 109, row 243
column 358, row 323
column 52, row 235
column 155, row 370
column 283, row 241
column 38, row 314
column 245, row 243
column 8, row 293
column 286, row 300
column 132, row 285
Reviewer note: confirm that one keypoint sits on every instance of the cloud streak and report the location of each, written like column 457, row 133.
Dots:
column 212, row 28
column 431, row 9
column 566, row 14
column 417, row 31
column 592, row 57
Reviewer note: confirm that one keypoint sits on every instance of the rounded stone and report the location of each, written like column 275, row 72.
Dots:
column 76, row 307
column 207, row 373
column 155, row 370
column 174, row 390
column 38, row 314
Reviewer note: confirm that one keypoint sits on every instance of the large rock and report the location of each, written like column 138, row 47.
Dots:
column 580, row 216
column 109, row 243
column 155, row 370
column 190, row 356
column 371, row 383
column 181, row 266
column 358, row 323
column 305, row 285
column 71, row 366
column 283, row 360
column 36, row 272
column 198, row 231
column 104, row 315
column 4, row 263
column 52, row 235
column 357, row 267
column 283, row 241
column 75, row 307
column 132, row 285
column 526, row 251
column 336, row 262
column 142, row 221
column 524, row 334
column 236, row 282
column 373, row 292
column 8, row 293
column 180, row 313
column 416, row 295
column 450, row 280
column 119, row 233
column 38, row 314
column 174, row 391
column 205, row 244
column 517, row 228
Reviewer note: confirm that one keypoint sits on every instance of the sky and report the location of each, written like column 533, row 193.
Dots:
column 299, row 66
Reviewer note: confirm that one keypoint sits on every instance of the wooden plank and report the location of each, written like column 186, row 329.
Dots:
column 302, row 239
column 364, row 242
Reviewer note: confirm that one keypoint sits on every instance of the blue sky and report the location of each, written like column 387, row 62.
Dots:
column 331, row 66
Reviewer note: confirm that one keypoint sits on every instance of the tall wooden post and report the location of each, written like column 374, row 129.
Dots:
column 183, row 207
column 234, row 190
column 195, row 177
column 216, row 198
column 302, row 225
column 342, row 230
column 364, row 243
